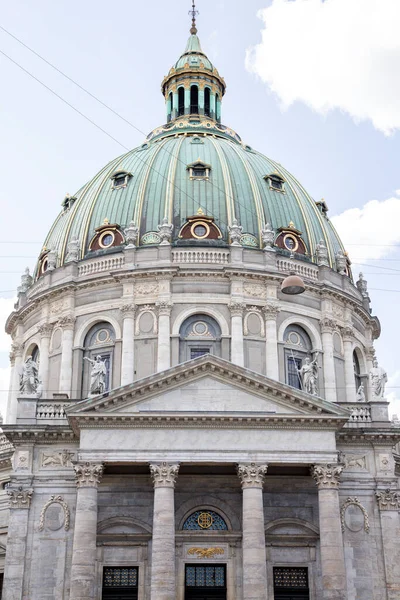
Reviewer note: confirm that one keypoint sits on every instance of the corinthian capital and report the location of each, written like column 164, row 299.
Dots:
column 251, row 474
column 45, row 329
column 164, row 307
column 20, row 497
column 237, row 308
column 128, row 310
column 164, row 474
column 347, row 333
column 270, row 311
column 67, row 322
column 327, row 476
column 388, row 500
column 88, row 474
column 327, row 325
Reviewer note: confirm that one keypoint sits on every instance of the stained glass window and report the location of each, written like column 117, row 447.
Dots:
column 205, row 520
column 205, row 576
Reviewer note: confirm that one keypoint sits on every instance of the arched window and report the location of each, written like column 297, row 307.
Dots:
column 35, row 353
column 171, row 105
column 217, row 107
column 99, row 341
column 357, row 371
column 181, row 101
column 297, row 349
column 207, row 102
column 194, row 99
column 199, row 335
column 205, row 520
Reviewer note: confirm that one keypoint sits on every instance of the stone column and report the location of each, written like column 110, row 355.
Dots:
column 348, row 334
column 389, row 507
column 67, row 324
column 164, row 335
column 237, row 349
column 331, row 543
column 20, row 501
column 327, row 328
column 128, row 344
column 163, row 544
column 251, row 476
column 45, row 333
column 83, row 568
column 16, row 367
column 271, row 341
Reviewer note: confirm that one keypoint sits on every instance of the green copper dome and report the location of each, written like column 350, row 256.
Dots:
column 159, row 180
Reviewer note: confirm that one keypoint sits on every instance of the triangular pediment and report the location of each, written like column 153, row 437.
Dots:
column 207, row 388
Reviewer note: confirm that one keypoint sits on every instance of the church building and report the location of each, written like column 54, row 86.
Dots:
column 196, row 411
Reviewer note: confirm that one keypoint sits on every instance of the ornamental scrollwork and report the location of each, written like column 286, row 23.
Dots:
column 353, row 501
column 251, row 474
column 20, row 497
column 327, row 476
column 388, row 500
column 88, row 474
column 206, row 552
column 164, row 474
column 55, row 500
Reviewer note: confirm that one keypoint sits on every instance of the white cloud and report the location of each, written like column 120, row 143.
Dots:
column 359, row 228
column 333, row 54
column 393, row 393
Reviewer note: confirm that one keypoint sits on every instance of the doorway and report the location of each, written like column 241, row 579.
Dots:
column 205, row 582
column 291, row 583
column 120, row 583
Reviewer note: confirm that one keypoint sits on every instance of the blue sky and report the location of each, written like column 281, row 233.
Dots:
column 307, row 85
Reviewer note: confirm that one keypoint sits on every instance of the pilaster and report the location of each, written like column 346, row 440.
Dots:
column 328, row 326
column 164, row 335
column 271, row 310
column 237, row 347
column 128, row 344
column 67, row 324
column 45, row 331
column 389, row 507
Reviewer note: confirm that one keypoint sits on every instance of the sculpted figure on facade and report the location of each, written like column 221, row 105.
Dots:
column 51, row 260
column 97, row 375
column 321, row 253
column 26, row 282
column 235, row 233
column 341, row 263
column 360, row 396
column 73, row 248
column 362, row 285
column 268, row 237
column 378, row 379
column 309, row 375
column 29, row 379
column 165, row 232
column 131, row 234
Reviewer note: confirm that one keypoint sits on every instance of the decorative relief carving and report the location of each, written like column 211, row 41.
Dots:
column 388, row 500
column 347, row 333
column 338, row 311
column 236, row 308
column 260, row 329
column 146, row 289
column 206, row 552
column 20, row 497
column 384, row 462
column 45, row 329
column 254, row 290
column 271, row 310
column 251, row 474
column 88, row 474
column 57, row 306
column 164, row 474
column 327, row 325
column 353, row 501
column 354, row 461
column 164, row 307
column 55, row 500
column 21, row 462
column 62, row 458
column 327, row 476
column 67, row 322
column 128, row 310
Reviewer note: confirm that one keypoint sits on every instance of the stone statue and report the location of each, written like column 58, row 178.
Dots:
column 321, row 253
column 73, row 248
column 51, row 260
column 360, row 396
column 165, row 231
column 309, row 375
column 29, row 380
column 131, row 235
column 378, row 378
column 97, row 375
column 268, row 236
column 235, row 233
column 26, row 282
column 341, row 263
column 362, row 286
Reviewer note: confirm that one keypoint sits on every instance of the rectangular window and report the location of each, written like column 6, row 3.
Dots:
column 291, row 583
column 293, row 377
column 196, row 352
column 205, row 582
column 199, row 172
column 120, row 583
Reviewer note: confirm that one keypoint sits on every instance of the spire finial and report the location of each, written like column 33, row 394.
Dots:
column 193, row 13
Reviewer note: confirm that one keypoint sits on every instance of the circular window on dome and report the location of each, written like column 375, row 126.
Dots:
column 106, row 239
column 45, row 265
column 200, row 230
column 290, row 242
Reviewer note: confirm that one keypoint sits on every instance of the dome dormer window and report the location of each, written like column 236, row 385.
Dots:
column 120, row 179
column 200, row 227
column 276, row 182
column 199, row 170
